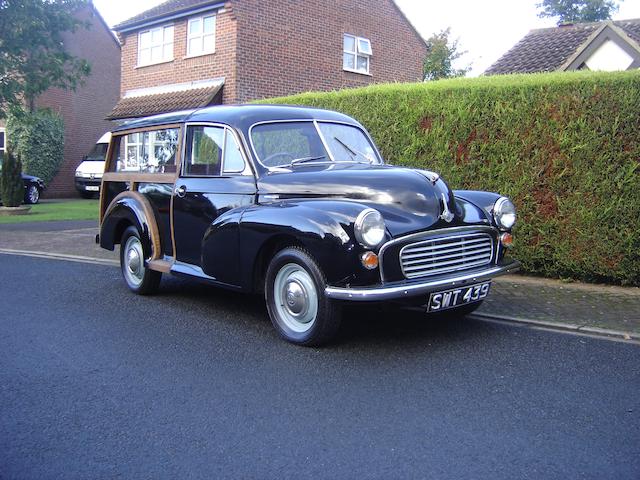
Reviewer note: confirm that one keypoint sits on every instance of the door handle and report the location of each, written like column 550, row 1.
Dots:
column 180, row 191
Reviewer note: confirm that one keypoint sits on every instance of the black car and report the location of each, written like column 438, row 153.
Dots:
column 33, row 188
column 296, row 204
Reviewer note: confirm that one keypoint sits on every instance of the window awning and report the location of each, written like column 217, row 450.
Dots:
column 170, row 98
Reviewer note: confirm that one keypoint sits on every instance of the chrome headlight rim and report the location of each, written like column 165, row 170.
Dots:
column 504, row 206
column 361, row 235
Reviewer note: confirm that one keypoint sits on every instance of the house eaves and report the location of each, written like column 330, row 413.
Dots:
column 129, row 26
column 608, row 30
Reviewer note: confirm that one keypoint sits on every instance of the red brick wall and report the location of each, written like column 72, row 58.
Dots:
column 84, row 110
column 287, row 47
column 181, row 69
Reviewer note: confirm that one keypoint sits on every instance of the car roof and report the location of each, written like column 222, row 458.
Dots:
column 239, row 116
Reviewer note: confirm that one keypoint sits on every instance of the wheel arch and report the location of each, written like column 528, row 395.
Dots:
column 130, row 208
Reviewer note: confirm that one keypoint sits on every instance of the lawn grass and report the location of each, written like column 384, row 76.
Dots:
column 64, row 210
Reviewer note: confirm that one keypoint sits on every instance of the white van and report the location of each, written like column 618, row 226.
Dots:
column 89, row 172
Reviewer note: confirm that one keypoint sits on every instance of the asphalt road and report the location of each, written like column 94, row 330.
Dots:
column 194, row 383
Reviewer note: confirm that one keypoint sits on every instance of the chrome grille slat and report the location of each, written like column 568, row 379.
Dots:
column 462, row 260
column 446, row 245
column 418, row 258
column 444, row 254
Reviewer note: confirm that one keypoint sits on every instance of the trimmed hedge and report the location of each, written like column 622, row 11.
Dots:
column 11, row 186
column 565, row 147
column 38, row 138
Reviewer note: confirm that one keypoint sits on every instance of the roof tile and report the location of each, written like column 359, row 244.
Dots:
column 135, row 107
column 547, row 49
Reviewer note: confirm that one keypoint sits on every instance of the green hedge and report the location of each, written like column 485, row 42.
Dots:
column 38, row 138
column 565, row 147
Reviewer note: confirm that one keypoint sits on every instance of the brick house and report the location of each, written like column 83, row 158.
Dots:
column 192, row 53
column 85, row 109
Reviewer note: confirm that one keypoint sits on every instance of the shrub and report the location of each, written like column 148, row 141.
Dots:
column 11, row 185
column 38, row 138
column 564, row 146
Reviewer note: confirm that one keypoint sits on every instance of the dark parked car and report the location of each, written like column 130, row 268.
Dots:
column 296, row 204
column 33, row 188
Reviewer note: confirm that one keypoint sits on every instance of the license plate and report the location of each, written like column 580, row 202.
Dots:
column 91, row 188
column 446, row 299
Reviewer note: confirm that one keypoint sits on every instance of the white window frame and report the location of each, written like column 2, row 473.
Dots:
column 166, row 44
column 358, row 52
column 3, row 148
column 201, row 35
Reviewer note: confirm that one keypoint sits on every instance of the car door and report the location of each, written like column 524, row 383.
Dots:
column 215, row 177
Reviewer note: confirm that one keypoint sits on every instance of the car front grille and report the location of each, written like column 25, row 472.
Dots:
column 446, row 254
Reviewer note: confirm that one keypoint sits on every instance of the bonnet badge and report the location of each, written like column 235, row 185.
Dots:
column 446, row 214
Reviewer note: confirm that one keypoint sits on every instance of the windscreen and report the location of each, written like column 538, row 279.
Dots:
column 283, row 144
column 98, row 153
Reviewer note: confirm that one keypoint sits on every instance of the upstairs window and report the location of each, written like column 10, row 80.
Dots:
column 155, row 45
column 201, row 36
column 2, row 144
column 356, row 54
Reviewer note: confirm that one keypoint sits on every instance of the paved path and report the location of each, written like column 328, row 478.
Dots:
column 194, row 383
column 588, row 308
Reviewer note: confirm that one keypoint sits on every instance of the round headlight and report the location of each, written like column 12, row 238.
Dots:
column 369, row 228
column 78, row 173
column 504, row 212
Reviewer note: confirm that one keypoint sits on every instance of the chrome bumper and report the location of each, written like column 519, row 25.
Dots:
column 402, row 290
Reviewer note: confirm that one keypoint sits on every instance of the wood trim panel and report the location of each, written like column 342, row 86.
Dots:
column 136, row 177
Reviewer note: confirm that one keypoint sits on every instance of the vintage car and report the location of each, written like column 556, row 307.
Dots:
column 296, row 204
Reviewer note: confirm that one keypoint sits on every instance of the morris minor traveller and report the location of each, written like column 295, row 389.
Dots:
column 298, row 205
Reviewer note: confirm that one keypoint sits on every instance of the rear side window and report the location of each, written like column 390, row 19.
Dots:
column 147, row 152
column 211, row 151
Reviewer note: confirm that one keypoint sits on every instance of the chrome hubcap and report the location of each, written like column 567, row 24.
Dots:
column 296, row 298
column 133, row 261
column 34, row 195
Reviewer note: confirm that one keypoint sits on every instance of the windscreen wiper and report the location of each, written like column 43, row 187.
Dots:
column 352, row 150
column 306, row 159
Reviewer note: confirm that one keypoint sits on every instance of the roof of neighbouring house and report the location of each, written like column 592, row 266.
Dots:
column 166, row 9
column 156, row 100
column 549, row 49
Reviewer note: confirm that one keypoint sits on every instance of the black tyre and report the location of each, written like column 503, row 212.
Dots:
column 133, row 254
column 297, row 305
column 32, row 195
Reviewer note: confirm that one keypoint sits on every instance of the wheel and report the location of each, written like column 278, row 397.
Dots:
column 138, row 278
column 297, row 305
column 32, row 195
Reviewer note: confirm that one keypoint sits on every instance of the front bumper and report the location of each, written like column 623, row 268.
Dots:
column 409, row 289
column 82, row 183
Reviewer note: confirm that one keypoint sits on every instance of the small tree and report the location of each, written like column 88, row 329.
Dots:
column 11, row 186
column 576, row 11
column 33, row 57
column 441, row 54
column 38, row 139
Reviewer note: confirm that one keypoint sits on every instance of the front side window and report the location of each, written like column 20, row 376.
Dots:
column 148, row 152
column 155, row 45
column 283, row 144
column 211, row 151
column 201, row 38
column 356, row 54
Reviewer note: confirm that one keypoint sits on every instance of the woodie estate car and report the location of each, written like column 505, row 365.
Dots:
column 296, row 204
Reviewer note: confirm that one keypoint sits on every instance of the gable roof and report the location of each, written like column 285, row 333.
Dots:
column 551, row 49
column 179, row 8
column 168, row 9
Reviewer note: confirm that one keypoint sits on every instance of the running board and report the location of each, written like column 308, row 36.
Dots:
column 158, row 265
